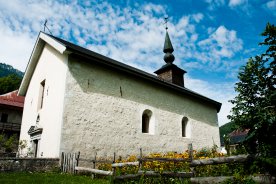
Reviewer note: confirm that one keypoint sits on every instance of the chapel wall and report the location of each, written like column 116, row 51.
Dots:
column 103, row 114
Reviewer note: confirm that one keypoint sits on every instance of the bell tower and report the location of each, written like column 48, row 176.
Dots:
column 170, row 72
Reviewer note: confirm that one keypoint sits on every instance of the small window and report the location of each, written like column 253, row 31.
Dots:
column 146, row 119
column 4, row 118
column 41, row 95
column 145, row 123
column 184, row 126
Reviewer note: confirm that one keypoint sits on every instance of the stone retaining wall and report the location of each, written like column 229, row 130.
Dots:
column 28, row 164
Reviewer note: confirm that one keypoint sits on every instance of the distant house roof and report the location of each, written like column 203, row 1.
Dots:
column 238, row 136
column 65, row 47
column 11, row 99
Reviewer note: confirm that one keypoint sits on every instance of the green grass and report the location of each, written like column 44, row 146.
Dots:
column 52, row 178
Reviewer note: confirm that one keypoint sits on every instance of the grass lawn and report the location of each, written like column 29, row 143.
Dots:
column 51, row 178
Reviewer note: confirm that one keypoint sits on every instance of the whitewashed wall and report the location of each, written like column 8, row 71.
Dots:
column 52, row 67
column 97, row 118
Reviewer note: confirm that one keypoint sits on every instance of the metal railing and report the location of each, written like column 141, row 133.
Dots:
column 10, row 126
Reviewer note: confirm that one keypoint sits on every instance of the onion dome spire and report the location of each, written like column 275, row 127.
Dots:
column 168, row 49
column 170, row 72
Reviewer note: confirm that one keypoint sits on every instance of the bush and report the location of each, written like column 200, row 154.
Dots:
column 8, row 144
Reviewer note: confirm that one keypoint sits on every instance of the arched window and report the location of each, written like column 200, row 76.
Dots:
column 184, row 127
column 146, row 121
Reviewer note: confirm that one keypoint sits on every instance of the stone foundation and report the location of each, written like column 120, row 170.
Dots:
column 28, row 164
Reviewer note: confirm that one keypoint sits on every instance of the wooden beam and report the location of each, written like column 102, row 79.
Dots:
column 220, row 160
column 129, row 176
column 167, row 174
column 178, row 174
column 219, row 179
column 125, row 164
column 95, row 171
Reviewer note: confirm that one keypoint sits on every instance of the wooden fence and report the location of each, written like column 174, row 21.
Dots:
column 178, row 174
column 70, row 163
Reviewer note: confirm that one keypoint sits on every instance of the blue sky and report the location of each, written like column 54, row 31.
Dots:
column 212, row 39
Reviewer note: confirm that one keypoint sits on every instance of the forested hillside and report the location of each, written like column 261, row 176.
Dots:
column 6, row 70
column 10, row 78
column 226, row 129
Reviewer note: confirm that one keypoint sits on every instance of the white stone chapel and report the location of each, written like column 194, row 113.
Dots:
column 79, row 100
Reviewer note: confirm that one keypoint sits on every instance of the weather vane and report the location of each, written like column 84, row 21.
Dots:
column 45, row 26
column 166, row 22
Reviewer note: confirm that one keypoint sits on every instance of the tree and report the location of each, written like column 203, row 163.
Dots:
column 9, row 83
column 254, row 106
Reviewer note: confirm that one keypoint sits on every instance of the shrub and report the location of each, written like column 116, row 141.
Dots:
column 8, row 144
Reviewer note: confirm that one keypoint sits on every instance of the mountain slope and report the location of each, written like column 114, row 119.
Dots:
column 226, row 129
column 10, row 78
column 6, row 70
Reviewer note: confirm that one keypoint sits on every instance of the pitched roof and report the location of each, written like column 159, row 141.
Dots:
column 11, row 99
column 65, row 47
column 238, row 136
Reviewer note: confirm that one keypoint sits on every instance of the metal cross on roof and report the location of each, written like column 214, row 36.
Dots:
column 45, row 26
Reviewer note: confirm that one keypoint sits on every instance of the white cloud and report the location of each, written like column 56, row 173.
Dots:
column 153, row 8
column 222, row 43
column 234, row 3
column 213, row 4
column 242, row 7
column 210, row 30
column 198, row 17
column 133, row 35
column 15, row 47
column 271, row 6
column 111, row 30
column 101, row 25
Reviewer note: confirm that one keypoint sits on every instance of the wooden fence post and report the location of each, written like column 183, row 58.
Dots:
column 191, row 156
column 140, row 160
column 62, row 161
column 190, row 147
column 73, row 163
column 94, row 162
column 114, row 168
column 77, row 162
column 94, row 165
column 66, row 162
